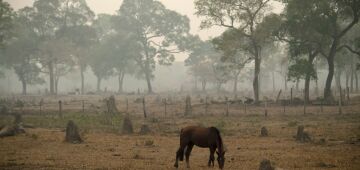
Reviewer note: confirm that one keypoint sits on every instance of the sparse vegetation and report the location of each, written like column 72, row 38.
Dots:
column 274, row 82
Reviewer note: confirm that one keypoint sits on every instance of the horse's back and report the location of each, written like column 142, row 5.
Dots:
column 200, row 136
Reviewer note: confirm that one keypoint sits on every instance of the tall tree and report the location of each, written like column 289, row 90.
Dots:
column 246, row 18
column 52, row 19
column 124, row 49
column 21, row 51
column 6, row 16
column 6, row 24
column 82, row 37
column 101, row 62
column 331, row 19
column 303, row 47
column 234, row 53
column 200, row 61
column 159, row 31
column 208, row 65
column 76, row 20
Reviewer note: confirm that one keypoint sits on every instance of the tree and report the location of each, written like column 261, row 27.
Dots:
column 302, row 68
column 52, row 19
column 302, row 51
column 221, row 72
column 206, row 64
column 200, row 61
column 275, row 62
column 21, row 52
column 234, row 53
column 201, row 71
column 124, row 50
column 352, row 45
column 6, row 16
column 117, row 47
column 83, row 37
column 100, row 62
column 77, row 16
column 161, row 33
column 55, row 56
column 6, row 24
column 247, row 19
column 332, row 20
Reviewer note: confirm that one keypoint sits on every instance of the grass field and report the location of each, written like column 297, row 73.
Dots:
column 104, row 147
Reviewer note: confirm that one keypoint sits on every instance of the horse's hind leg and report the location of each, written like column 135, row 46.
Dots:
column 179, row 155
column 187, row 154
column 211, row 157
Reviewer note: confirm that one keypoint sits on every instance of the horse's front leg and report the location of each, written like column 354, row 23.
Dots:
column 187, row 154
column 211, row 157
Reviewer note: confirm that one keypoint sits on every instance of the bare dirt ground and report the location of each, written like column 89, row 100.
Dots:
column 43, row 147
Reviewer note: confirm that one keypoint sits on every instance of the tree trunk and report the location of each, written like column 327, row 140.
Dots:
column 203, row 84
column 297, row 84
column 356, row 81
column 307, row 87
column 121, row 81
column 273, row 80
column 317, row 87
column 147, row 70
column 327, row 91
column 218, row 86
column 98, row 84
column 338, row 78
column 51, row 77
column 285, row 83
column 82, row 79
column 256, row 76
column 196, row 83
column 352, row 75
column 24, row 87
column 330, row 59
column 347, row 78
column 56, row 84
column 235, row 83
column 148, row 81
column 307, row 79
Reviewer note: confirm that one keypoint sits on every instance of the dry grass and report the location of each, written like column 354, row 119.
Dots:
column 106, row 148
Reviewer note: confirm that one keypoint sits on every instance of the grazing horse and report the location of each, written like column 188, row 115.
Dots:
column 204, row 138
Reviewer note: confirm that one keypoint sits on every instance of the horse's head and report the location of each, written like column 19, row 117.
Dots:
column 221, row 159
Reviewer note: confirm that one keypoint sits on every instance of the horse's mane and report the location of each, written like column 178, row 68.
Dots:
column 218, row 137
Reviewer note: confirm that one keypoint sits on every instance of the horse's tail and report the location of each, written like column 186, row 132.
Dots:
column 219, row 139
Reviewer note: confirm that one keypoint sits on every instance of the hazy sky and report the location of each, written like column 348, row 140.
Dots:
column 184, row 7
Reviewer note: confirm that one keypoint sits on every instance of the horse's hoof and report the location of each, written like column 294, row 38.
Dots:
column 176, row 165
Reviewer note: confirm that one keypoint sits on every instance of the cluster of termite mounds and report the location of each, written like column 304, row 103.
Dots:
column 301, row 136
column 127, row 127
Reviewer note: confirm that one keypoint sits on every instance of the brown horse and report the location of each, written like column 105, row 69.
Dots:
column 204, row 138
